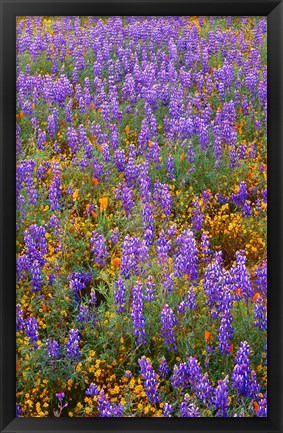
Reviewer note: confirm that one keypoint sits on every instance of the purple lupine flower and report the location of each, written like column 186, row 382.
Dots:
column 115, row 235
column 150, row 380
column 69, row 112
column 147, row 216
column 126, row 195
column 93, row 298
column 33, row 252
column 247, row 209
column 241, row 196
column 167, row 410
column 72, row 345
column 99, row 249
column 36, row 244
column 144, row 181
column 20, row 322
column 261, row 277
column 194, row 373
column 41, row 139
column 31, row 330
column 168, row 322
column 23, row 264
column 188, row 409
column 131, row 172
column 36, row 278
column 149, row 289
column 55, row 192
column 205, row 248
column 137, row 314
column 168, row 284
column 180, row 376
column 225, row 331
column 72, row 138
column 52, row 126
column 163, row 197
column 260, row 319
column 108, row 410
column 52, row 348
column 79, row 280
column 190, row 153
column 262, row 412
column 106, row 152
column 18, row 410
column 254, row 386
column 241, row 276
column 54, row 223
column 119, row 296
column 163, row 247
column 186, row 256
column 241, row 372
column 172, row 230
column 120, row 160
column 220, row 400
column 84, row 314
column 212, row 282
column 135, row 252
column 130, row 256
column 25, row 177
column 189, row 303
column 163, row 368
column 60, row 396
column 170, row 166
column 204, row 390
column 92, row 389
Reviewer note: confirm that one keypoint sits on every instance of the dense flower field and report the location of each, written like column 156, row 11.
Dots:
column 141, row 217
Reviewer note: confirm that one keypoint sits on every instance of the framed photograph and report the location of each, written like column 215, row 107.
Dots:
column 141, row 216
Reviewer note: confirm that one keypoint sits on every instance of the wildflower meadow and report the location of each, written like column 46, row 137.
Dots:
column 141, row 191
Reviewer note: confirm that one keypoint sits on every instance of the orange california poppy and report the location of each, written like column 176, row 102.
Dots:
column 95, row 181
column 230, row 350
column 207, row 335
column 94, row 214
column 116, row 262
column 256, row 406
column 103, row 203
column 256, row 296
column 75, row 194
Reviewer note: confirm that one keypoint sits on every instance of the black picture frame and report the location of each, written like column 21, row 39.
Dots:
column 274, row 12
